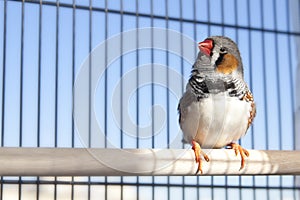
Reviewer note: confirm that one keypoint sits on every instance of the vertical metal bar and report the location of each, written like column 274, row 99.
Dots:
column 152, row 91
column 264, row 74
column 56, row 87
column 21, row 77
column 137, row 74
column 90, row 73
column 152, row 75
column 250, row 74
column 208, row 17
column 21, row 90
column 222, row 17
column 265, row 88
column 209, row 32
column 296, row 104
column 195, row 52
column 236, row 30
column 167, row 90
column 73, row 64
column 137, row 88
column 182, row 73
column 292, row 89
column 250, row 55
column 56, row 72
column 291, row 76
column 181, row 51
column 3, row 73
column 90, row 88
column 39, row 89
column 105, row 90
column 250, row 86
column 39, row 73
column 3, row 85
column 121, row 90
column 223, row 33
column 105, row 77
column 296, row 110
column 121, row 74
column 278, row 86
column 167, row 77
column 277, row 76
column 73, row 82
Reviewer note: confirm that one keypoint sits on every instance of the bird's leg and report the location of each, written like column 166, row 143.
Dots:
column 239, row 150
column 198, row 151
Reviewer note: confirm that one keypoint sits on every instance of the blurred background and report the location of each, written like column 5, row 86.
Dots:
column 125, row 94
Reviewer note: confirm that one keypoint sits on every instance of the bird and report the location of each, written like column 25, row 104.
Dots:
column 217, row 107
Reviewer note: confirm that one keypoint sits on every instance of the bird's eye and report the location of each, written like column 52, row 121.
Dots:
column 223, row 50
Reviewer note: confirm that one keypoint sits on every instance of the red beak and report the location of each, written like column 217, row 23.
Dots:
column 206, row 46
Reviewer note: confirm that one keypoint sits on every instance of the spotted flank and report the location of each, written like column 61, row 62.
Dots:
column 249, row 98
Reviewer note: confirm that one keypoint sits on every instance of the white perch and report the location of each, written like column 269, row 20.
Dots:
column 141, row 162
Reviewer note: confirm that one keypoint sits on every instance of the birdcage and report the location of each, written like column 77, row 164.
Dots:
column 89, row 93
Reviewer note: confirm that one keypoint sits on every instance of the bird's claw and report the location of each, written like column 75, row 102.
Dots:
column 240, row 150
column 198, row 152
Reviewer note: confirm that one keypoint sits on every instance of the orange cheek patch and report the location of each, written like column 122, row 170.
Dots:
column 228, row 64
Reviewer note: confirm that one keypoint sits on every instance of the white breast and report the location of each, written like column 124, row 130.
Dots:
column 216, row 121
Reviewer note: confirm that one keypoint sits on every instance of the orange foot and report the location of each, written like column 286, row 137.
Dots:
column 198, row 151
column 239, row 150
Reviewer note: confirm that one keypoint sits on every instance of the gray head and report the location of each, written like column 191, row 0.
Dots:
column 220, row 55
